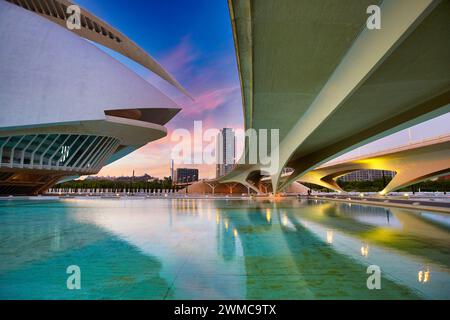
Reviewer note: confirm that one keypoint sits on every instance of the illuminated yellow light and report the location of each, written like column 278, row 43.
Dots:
column 235, row 232
column 275, row 197
column 364, row 250
column 268, row 215
column 217, row 218
column 423, row 276
column 361, row 195
column 226, row 224
column 405, row 194
column 330, row 236
column 426, row 276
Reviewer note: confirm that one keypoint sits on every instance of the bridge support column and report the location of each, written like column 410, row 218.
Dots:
column 409, row 176
column 213, row 186
column 326, row 182
column 231, row 186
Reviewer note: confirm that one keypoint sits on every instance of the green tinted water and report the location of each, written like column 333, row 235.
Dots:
column 220, row 249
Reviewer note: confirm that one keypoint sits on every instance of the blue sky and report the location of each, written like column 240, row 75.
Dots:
column 193, row 41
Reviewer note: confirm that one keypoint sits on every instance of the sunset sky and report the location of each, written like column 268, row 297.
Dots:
column 193, row 41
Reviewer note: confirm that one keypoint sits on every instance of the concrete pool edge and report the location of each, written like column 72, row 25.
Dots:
column 385, row 204
column 444, row 208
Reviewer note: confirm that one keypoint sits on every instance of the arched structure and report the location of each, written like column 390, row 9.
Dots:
column 412, row 163
column 68, row 108
column 98, row 31
column 313, row 70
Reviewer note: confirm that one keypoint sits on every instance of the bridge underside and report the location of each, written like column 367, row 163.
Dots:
column 235, row 188
column 335, row 85
column 412, row 165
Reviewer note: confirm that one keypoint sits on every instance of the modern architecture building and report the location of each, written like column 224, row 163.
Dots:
column 186, row 175
column 314, row 71
column 225, row 151
column 412, row 163
column 367, row 175
column 67, row 107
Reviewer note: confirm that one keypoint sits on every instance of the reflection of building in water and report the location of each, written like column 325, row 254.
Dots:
column 367, row 175
column 378, row 216
column 330, row 236
column 42, row 238
column 423, row 276
column 284, row 220
column 365, row 250
column 268, row 215
column 226, row 238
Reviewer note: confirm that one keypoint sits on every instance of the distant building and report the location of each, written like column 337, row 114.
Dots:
column 183, row 175
column 225, row 151
column 367, row 175
column 145, row 178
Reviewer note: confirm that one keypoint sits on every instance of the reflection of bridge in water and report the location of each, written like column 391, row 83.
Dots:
column 238, row 249
column 315, row 250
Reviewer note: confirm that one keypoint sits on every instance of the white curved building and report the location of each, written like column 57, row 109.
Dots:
column 66, row 107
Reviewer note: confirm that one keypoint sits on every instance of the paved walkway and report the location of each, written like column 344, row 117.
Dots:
column 412, row 203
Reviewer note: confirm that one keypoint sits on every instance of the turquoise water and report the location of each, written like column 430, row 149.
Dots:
column 220, row 249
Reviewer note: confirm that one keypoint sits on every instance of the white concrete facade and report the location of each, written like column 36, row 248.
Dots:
column 52, row 81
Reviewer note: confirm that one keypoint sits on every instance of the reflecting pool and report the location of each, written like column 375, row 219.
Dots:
column 220, row 249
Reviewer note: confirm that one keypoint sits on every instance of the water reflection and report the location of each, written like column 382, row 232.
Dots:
column 330, row 236
column 224, row 249
column 365, row 250
column 38, row 242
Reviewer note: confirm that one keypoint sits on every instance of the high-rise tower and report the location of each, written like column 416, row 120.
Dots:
column 225, row 151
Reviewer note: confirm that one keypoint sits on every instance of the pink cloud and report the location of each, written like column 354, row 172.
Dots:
column 180, row 58
column 209, row 100
column 216, row 102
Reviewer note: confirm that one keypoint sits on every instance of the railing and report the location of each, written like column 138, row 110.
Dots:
column 59, row 152
column 112, row 191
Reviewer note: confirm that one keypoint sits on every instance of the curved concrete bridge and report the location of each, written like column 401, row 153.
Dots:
column 412, row 163
column 313, row 70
